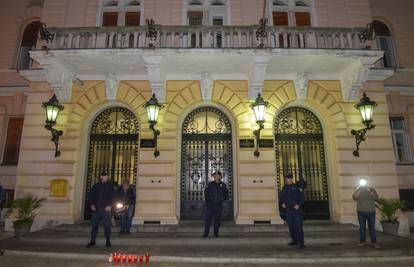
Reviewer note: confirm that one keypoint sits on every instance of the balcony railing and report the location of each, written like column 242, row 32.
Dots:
column 238, row 37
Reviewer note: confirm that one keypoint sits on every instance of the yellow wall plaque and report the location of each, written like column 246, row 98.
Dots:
column 59, row 188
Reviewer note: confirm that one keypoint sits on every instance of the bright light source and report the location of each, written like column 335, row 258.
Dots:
column 363, row 182
column 119, row 205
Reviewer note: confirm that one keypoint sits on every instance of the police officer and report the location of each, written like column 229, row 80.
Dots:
column 215, row 193
column 292, row 200
column 101, row 200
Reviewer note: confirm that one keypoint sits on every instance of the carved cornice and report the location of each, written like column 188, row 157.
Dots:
column 355, row 76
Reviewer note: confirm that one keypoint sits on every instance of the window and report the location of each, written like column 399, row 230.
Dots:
column 12, row 146
column 280, row 18
column 303, row 19
column 110, row 19
column 385, row 43
column 121, row 13
column 400, row 139
column 407, row 195
column 29, row 40
column 291, row 13
column 195, row 17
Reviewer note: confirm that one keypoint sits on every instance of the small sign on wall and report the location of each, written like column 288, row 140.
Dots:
column 59, row 188
column 246, row 143
column 266, row 143
column 147, row 143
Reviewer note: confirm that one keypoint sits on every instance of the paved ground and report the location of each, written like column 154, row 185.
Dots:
column 327, row 245
column 29, row 261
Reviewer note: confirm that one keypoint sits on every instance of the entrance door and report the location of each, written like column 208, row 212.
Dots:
column 113, row 147
column 206, row 147
column 300, row 151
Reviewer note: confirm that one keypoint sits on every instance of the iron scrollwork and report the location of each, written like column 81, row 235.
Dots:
column 368, row 33
column 151, row 31
column 45, row 35
column 113, row 147
column 297, row 121
column 261, row 32
column 206, row 147
column 115, row 121
column 300, row 151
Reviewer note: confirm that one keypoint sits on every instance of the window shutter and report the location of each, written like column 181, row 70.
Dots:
column 280, row 18
column 303, row 19
column 110, row 19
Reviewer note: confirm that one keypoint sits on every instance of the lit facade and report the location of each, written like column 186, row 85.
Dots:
column 205, row 63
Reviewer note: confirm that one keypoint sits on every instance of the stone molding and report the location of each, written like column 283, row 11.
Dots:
column 301, row 85
column 111, row 86
column 258, row 74
column 153, row 66
column 206, row 84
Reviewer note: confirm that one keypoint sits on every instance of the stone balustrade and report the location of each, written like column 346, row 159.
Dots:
column 236, row 37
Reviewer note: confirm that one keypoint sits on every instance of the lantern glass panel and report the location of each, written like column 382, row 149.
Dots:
column 52, row 113
column 259, row 112
column 366, row 112
column 153, row 111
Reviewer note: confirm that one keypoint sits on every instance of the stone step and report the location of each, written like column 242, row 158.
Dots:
column 169, row 239
column 225, row 228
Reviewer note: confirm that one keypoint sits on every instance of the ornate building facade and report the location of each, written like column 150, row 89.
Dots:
column 206, row 62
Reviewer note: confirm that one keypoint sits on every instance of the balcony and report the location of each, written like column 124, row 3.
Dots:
column 209, row 53
column 228, row 37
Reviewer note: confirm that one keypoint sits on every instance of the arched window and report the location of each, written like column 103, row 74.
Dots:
column 111, row 3
column 301, row 3
column 217, row 3
column 279, row 3
column 195, row 3
column 385, row 43
column 121, row 13
column 39, row 3
column 29, row 40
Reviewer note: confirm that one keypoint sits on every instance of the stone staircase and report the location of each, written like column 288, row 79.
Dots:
column 237, row 243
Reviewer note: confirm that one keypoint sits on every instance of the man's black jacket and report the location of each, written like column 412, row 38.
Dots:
column 102, row 195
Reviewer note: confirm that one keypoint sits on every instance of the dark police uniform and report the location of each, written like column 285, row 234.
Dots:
column 290, row 196
column 102, row 195
column 215, row 194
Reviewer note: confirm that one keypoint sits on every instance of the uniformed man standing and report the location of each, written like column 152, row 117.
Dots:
column 101, row 199
column 215, row 193
column 292, row 200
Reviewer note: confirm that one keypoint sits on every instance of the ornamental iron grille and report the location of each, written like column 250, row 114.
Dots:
column 300, row 151
column 206, row 147
column 113, row 147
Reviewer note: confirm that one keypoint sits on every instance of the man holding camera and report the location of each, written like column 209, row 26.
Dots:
column 365, row 197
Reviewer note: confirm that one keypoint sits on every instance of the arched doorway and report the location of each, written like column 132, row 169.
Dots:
column 385, row 43
column 29, row 40
column 113, row 147
column 206, row 147
column 300, row 151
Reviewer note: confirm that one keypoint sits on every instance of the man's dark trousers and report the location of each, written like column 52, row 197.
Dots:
column 214, row 209
column 295, row 223
column 105, row 216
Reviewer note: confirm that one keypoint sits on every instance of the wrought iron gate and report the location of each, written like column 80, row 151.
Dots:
column 300, row 151
column 113, row 147
column 206, row 147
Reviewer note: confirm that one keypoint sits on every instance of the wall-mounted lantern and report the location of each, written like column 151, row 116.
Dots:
column 153, row 110
column 366, row 109
column 53, row 107
column 259, row 107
